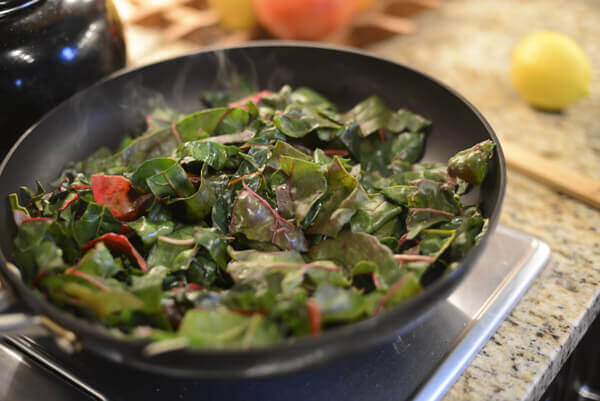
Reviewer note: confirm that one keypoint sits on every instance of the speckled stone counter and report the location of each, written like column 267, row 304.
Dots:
column 467, row 45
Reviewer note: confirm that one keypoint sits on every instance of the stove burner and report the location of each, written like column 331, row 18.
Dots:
column 420, row 366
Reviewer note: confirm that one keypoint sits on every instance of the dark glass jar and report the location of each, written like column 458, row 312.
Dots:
column 49, row 49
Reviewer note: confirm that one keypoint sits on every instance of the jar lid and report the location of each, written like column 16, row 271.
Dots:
column 8, row 7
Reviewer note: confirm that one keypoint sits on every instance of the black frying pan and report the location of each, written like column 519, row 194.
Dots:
column 102, row 114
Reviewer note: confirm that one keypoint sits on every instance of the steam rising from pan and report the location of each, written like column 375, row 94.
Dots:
column 139, row 99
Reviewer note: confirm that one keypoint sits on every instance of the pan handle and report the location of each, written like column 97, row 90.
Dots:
column 21, row 323
column 16, row 323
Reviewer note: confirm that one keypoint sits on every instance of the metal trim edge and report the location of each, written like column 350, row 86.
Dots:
column 486, row 322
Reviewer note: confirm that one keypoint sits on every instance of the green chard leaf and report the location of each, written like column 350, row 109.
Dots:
column 31, row 232
column 306, row 184
column 156, row 143
column 405, row 120
column 168, row 248
column 429, row 205
column 172, row 182
column 399, row 193
column 420, row 219
column 257, row 220
column 468, row 226
column 344, row 196
column 431, row 194
column 350, row 248
column 284, row 149
column 149, row 231
column 248, row 266
column 309, row 97
column 212, row 153
column 339, row 305
column 95, row 221
column 384, row 156
column 234, row 121
column 149, row 289
column 20, row 213
column 351, row 137
column 372, row 115
column 98, row 261
column 373, row 214
column 405, row 288
column 433, row 244
column 103, row 303
column 471, row 164
column 200, row 124
column 196, row 207
column 222, row 328
column 61, row 233
column 298, row 121
column 150, row 168
column 282, row 272
column 408, row 146
column 213, row 243
column 48, row 256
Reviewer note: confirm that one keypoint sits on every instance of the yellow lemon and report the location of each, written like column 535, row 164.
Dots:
column 550, row 70
column 235, row 14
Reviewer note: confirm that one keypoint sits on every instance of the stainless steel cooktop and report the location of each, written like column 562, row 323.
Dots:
column 419, row 366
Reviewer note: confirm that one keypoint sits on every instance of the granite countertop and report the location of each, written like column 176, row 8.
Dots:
column 467, row 45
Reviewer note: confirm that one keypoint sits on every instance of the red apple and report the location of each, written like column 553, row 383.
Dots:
column 303, row 19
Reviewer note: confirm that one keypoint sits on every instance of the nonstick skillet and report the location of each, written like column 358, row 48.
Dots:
column 104, row 113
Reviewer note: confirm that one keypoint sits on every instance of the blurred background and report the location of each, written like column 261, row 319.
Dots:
column 168, row 26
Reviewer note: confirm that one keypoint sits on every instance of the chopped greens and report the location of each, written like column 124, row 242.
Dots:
column 270, row 216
